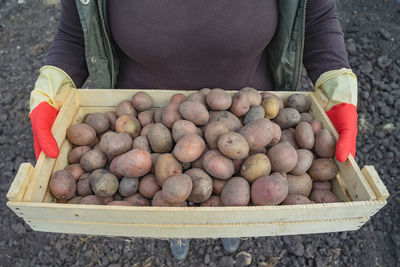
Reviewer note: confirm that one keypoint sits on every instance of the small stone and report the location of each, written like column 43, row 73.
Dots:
column 18, row 228
column 384, row 61
column 243, row 259
column 396, row 239
column 384, row 34
column 207, row 259
column 226, row 261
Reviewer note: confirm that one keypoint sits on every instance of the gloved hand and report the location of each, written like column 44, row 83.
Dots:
column 339, row 89
column 44, row 109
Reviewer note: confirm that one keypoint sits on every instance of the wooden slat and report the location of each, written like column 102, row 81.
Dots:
column 152, row 230
column 20, row 182
column 339, row 189
column 375, row 182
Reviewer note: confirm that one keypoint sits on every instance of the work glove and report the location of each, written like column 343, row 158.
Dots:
column 338, row 91
column 44, row 109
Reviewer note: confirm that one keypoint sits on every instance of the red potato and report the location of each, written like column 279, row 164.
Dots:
column 325, row 144
column 189, row 148
column 142, row 143
column 75, row 155
column 306, row 117
column 62, row 185
column 323, row 196
column 165, row 167
column 277, row 134
column 113, row 167
column 258, row 133
column 292, row 199
column 288, row 135
column 194, row 112
column 99, row 122
column 299, row 102
column 137, row 200
column 158, row 200
column 253, row 95
column 112, row 118
column 154, row 158
column 148, row 186
column 198, row 163
column 218, row 99
column 202, row 185
column 316, row 126
column 160, row 138
column 261, row 150
column 237, row 163
column 299, row 184
column 217, row 165
column 91, row 200
column 119, row 203
column 218, row 185
column 170, row 114
column 287, row 117
column 321, row 185
column 183, row 127
column 323, row 169
column 283, row 157
column 158, row 115
column 198, row 97
column 142, row 101
column 125, row 108
column 145, row 130
column 92, row 160
column 212, row 133
column 128, row 186
column 114, row 144
column 134, row 163
column 231, row 121
column 178, row 98
column 240, row 104
column 269, row 190
column 83, row 186
column 304, row 161
column 75, row 200
column 76, row 170
column 236, row 192
column 146, row 117
column 304, row 135
column 213, row 201
column 81, row 134
column 205, row 91
column 177, row 188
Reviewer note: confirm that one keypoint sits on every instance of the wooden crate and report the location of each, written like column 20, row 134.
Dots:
column 361, row 193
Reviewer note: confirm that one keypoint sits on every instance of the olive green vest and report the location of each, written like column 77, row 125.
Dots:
column 285, row 51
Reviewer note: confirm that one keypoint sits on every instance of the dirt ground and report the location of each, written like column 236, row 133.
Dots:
column 372, row 34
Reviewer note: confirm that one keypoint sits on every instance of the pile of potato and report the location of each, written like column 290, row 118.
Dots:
column 206, row 149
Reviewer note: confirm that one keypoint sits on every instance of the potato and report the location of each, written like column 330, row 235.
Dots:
column 125, row 108
column 128, row 124
column 255, row 113
column 323, row 169
column 137, row 200
column 83, row 185
column 268, row 94
column 177, row 98
column 62, row 185
column 325, row 144
column 198, row 163
column 148, row 186
column 205, row 91
column 170, row 114
column 231, row 121
column 158, row 115
column 237, row 163
column 146, row 117
column 287, row 117
column 236, row 192
column 75, row 155
column 145, row 130
column 323, row 196
column 113, row 167
column 189, row 148
column 213, row 201
column 91, row 200
column 160, row 138
column 81, row 134
column 304, row 135
column 154, row 158
column 75, row 200
column 103, row 183
column 289, row 136
column 76, row 170
column 306, row 117
column 166, row 166
column 253, row 95
column 255, row 166
column 194, row 112
column 112, row 118
column 283, row 157
column 99, row 122
column 316, row 126
column 142, row 143
column 212, row 133
column 105, row 200
column 292, row 199
column 202, row 185
column 158, row 200
column 269, row 190
column 299, row 184
column 321, row 185
column 117, row 196
column 271, row 107
column 276, row 135
column 114, row 144
column 304, row 161
column 218, row 99
column 217, row 165
column 258, row 133
column 142, row 101
column 186, row 165
column 119, row 203
column 177, row 188
column 92, row 160
column 261, row 150
column 299, row 102
column 240, row 104
column 233, row 145
column 218, row 185
column 181, row 128
column 198, row 97
column 134, row 163
column 128, row 186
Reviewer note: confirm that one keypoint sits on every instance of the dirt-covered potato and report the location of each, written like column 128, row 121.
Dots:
column 75, row 155
column 137, row 200
column 170, row 114
column 112, row 118
column 113, row 167
column 159, row 201
column 213, row 201
column 119, row 203
column 115, row 144
column 142, row 143
column 325, row 144
column 202, row 185
column 306, row 117
column 177, row 188
column 253, row 95
column 292, row 199
column 233, row 145
column 323, row 196
column 146, row 117
column 75, row 200
column 287, row 117
column 103, row 183
column 240, row 104
column 283, row 157
column 255, row 166
column 128, row 186
column 160, row 138
column 177, row 98
column 304, row 135
column 81, row 134
column 181, row 128
column 148, row 186
column 128, row 124
column 125, row 108
column 299, row 102
column 91, row 200
column 236, row 192
column 323, row 169
column 269, row 190
column 277, row 134
column 62, row 185
column 146, row 129
column 304, row 161
column 255, row 113
column 189, row 148
column 321, row 185
column 194, row 112
column 134, row 163
column 271, row 107
column 158, row 115
column 288, row 135
column 218, row 99
column 142, row 101
column 217, row 165
column 83, row 185
column 99, row 122
column 218, row 185
column 76, row 170
column 197, row 97
column 231, row 121
column 258, row 133
column 316, row 126
column 299, row 184
column 166, row 166
column 92, row 160
column 212, row 133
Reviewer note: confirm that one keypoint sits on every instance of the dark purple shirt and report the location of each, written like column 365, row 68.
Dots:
column 193, row 44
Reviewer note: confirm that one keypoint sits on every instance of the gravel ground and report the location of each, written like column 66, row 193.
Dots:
column 372, row 33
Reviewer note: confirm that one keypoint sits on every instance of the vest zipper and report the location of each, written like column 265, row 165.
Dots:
column 301, row 50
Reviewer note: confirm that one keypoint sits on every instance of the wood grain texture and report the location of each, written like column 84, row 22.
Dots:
column 20, row 182
column 375, row 182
